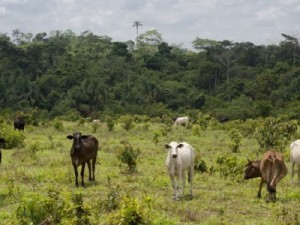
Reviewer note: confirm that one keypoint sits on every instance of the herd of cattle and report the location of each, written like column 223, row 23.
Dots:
column 271, row 168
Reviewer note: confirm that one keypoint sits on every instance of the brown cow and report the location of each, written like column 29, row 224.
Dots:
column 84, row 149
column 271, row 168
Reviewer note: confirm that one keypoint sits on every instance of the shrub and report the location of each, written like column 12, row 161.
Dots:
column 200, row 165
column 196, row 130
column 35, row 208
column 276, row 133
column 132, row 212
column 77, row 212
column 236, row 138
column 112, row 202
column 13, row 138
column 58, row 125
column 127, row 122
column 128, row 155
column 156, row 137
column 110, row 123
column 95, row 127
column 228, row 166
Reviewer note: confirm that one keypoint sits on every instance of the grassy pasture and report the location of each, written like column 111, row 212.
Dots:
column 43, row 166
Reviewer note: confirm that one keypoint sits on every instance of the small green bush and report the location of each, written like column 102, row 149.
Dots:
column 236, row 139
column 95, row 127
column 128, row 155
column 127, row 122
column 35, row 208
column 228, row 166
column 276, row 133
column 132, row 212
column 58, row 125
column 13, row 138
column 110, row 123
column 77, row 212
column 200, row 165
column 112, row 202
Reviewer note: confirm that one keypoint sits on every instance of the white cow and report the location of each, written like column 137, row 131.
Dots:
column 180, row 157
column 96, row 121
column 184, row 121
column 295, row 158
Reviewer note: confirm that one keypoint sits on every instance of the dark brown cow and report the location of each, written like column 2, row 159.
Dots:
column 271, row 168
column 19, row 123
column 2, row 141
column 84, row 150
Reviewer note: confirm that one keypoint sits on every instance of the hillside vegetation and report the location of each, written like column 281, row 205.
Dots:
column 37, row 178
column 90, row 75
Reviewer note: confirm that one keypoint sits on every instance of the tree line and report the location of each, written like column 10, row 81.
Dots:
column 90, row 75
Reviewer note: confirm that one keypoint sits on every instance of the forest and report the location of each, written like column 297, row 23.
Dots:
column 87, row 75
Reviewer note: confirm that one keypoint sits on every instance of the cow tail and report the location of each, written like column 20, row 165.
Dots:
column 270, row 184
column 189, row 176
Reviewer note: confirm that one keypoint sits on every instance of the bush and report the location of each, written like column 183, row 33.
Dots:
column 127, row 122
column 200, row 165
column 77, row 211
column 110, row 123
column 228, row 166
column 128, row 155
column 13, row 138
column 112, row 202
column 236, row 138
column 34, row 208
column 58, row 125
column 132, row 212
column 276, row 133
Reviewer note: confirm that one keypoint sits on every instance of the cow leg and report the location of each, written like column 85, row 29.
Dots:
column 182, row 182
column 174, row 186
column 190, row 179
column 82, row 174
column 298, row 172
column 90, row 172
column 260, row 187
column 76, row 174
column 292, row 171
column 93, row 168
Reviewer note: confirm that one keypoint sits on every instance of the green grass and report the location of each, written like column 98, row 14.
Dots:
column 44, row 165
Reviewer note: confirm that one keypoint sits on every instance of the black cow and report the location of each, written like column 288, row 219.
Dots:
column 19, row 123
column 2, row 141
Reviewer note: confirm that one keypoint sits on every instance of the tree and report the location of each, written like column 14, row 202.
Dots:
column 204, row 44
column 295, row 44
column 137, row 24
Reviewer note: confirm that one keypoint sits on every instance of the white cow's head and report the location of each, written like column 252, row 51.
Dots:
column 173, row 148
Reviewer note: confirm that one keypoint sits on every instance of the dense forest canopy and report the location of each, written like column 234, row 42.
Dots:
column 61, row 73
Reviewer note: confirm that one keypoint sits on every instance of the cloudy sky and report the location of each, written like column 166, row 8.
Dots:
column 179, row 21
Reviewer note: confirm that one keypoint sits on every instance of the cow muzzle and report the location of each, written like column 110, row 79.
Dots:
column 174, row 156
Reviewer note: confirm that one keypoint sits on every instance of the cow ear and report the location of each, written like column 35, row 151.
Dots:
column 167, row 146
column 180, row 145
column 84, row 136
column 70, row 137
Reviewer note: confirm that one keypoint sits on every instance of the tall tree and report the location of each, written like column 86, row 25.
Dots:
column 295, row 43
column 137, row 24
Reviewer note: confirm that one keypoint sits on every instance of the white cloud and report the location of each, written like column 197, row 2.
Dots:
column 2, row 10
column 272, row 13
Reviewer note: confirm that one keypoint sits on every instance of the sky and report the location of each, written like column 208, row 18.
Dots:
column 178, row 21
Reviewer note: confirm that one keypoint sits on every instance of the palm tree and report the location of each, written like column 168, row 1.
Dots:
column 137, row 24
